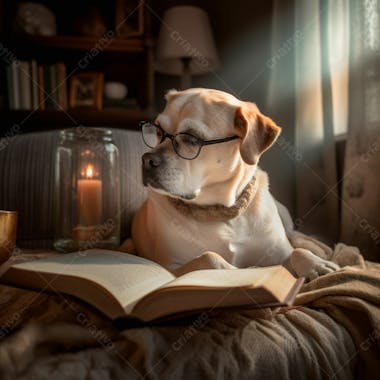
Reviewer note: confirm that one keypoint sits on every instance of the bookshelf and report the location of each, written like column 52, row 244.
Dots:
column 124, row 58
column 37, row 120
column 80, row 43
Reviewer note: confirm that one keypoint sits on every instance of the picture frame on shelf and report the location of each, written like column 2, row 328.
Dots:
column 129, row 18
column 86, row 90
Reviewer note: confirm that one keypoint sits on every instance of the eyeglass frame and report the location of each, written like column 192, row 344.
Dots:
column 166, row 135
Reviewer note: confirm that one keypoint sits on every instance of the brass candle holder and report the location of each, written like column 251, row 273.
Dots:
column 8, row 228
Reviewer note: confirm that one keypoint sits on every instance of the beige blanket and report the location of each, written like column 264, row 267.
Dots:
column 331, row 333
column 351, row 297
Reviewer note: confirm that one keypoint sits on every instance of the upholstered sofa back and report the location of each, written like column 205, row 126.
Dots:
column 27, row 182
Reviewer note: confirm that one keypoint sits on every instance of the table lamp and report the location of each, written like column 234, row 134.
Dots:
column 185, row 44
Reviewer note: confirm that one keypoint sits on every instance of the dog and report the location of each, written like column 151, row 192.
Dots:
column 209, row 204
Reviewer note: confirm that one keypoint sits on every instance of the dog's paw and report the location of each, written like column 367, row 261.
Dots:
column 310, row 266
column 208, row 260
column 128, row 247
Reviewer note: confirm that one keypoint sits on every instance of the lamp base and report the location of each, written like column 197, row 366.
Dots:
column 186, row 75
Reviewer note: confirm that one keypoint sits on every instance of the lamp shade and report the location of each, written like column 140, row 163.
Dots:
column 186, row 33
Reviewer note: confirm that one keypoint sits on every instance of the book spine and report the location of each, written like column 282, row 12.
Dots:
column 15, row 85
column 65, row 94
column 53, row 86
column 24, row 86
column 35, row 95
column 62, row 85
column 41, row 88
column 10, row 93
column 49, row 104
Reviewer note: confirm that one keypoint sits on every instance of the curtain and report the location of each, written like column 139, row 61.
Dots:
column 361, row 184
column 304, row 33
column 317, row 204
column 334, row 78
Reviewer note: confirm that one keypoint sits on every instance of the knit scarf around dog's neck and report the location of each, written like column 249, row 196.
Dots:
column 209, row 213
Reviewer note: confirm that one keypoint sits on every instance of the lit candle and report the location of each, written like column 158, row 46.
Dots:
column 89, row 199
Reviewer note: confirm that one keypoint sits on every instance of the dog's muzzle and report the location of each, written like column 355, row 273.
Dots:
column 152, row 160
column 159, row 175
column 151, row 163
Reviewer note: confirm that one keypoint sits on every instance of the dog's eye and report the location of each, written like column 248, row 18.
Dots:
column 190, row 140
column 152, row 135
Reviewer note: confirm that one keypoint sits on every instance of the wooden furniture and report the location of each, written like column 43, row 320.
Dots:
column 125, row 56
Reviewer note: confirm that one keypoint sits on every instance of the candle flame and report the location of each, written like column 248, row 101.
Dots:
column 89, row 171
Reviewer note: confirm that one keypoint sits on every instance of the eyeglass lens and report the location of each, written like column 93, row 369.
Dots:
column 185, row 145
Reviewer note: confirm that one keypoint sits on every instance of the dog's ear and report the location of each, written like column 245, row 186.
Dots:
column 170, row 94
column 258, row 132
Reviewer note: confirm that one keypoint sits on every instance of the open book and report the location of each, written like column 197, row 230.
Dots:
column 124, row 285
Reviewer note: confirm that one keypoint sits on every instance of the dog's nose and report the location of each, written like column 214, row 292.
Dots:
column 152, row 160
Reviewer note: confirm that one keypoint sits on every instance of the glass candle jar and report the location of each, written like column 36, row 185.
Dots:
column 87, row 190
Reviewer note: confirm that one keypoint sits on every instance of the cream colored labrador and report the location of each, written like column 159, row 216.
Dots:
column 208, row 202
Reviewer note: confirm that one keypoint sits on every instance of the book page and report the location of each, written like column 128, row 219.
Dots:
column 127, row 277
column 225, row 278
column 202, row 289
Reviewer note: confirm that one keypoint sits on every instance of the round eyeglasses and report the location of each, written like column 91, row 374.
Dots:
column 185, row 144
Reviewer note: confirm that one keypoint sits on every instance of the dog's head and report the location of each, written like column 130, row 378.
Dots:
column 208, row 115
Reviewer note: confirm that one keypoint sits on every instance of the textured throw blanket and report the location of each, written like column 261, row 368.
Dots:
column 333, row 332
column 351, row 297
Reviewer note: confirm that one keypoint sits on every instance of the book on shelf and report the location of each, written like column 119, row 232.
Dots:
column 49, row 103
column 121, row 285
column 41, row 86
column 31, row 85
column 11, row 98
column 13, row 86
column 35, row 84
column 25, row 85
column 61, row 85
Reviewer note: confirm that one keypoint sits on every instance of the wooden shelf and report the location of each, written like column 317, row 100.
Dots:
column 79, row 43
column 30, row 121
column 120, row 57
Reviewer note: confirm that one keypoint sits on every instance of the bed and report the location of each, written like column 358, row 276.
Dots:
column 332, row 331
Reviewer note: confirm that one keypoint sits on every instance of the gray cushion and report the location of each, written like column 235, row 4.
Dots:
column 27, row 182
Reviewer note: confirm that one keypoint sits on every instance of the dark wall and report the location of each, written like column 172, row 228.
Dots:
column 242, row 31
